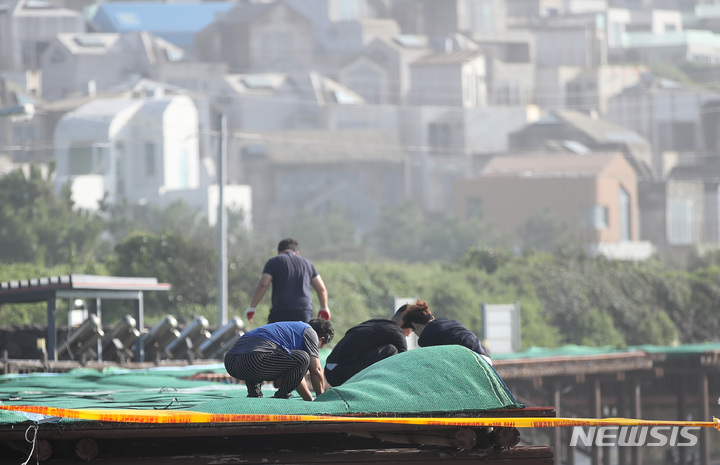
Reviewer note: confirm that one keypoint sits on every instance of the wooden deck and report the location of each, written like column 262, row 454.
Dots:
column 280, row 443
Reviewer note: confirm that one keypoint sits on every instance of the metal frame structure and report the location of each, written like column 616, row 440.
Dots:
column 79, row 286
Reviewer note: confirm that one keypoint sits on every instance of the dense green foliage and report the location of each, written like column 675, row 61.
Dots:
column 565, row 295
column 38, row 226
column 405, row 234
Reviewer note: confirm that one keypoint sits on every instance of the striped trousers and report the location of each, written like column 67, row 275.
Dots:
column 256, row 367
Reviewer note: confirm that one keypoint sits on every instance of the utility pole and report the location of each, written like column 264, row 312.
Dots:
column 222, row 222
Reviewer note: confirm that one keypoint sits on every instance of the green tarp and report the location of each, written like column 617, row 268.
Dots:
column 436, row 381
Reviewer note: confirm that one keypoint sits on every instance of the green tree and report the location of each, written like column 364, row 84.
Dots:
column 398, row 233
column 190, row 269
column 545, row 232
column 176, row 218
column 446, row 238
column 486, row 258
column 670, row 71
column 330, row 236
column 405, row 234
column 38, row 226
column 594, row 299
column 697, row 320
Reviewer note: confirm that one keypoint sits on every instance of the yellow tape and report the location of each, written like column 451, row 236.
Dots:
column 186, row 416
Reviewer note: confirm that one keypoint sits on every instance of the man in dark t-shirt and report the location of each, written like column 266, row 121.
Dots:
column 363, row 345
column 291, row 276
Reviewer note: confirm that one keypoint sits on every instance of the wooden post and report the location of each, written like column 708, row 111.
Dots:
column 596, row 406
column 704, row 399
column 52, row 328
column 556, row 435
column 621, row 390
column 682, row 413
column 636, row 400
column 86, row 449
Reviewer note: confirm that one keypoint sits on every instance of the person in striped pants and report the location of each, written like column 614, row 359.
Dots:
column 282, row 352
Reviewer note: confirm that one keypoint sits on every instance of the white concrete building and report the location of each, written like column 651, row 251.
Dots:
column 142, row 150
column 134, row 149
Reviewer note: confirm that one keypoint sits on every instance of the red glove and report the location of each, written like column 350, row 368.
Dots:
column 249, row 313
column 324, row 313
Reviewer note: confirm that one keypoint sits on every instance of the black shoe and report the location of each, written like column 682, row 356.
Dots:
column 277, row 395
column 254, row 389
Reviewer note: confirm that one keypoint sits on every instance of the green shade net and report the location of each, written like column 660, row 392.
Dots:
column 679, row 350
column 569, row 350
column 438, row 381
column 572, row 350
column 430, row 380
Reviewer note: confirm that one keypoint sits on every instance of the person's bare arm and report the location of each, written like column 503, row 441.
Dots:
column 318, row 284
column 260, row 289
column 316, row 376
column 304, row 391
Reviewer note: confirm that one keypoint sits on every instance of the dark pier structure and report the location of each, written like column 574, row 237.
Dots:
column 644, row 382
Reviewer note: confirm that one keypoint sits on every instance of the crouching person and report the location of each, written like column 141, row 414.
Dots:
column 365, row 344
column 433, row 331
column 282, row 352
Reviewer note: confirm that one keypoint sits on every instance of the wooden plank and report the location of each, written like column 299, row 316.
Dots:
column 535, row 455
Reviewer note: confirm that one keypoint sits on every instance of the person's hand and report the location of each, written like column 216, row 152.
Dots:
column 324, row 313
column 250, row 313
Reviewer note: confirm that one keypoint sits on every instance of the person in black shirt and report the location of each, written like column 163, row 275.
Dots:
column 291, row 276
column 365, row 344
column 433, row 331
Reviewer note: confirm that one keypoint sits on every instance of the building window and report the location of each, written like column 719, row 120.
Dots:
column 440, row 135
column 347, row 10
column 101, row 157
column 120, row 168
column 595, row 217
column 23, row 135
column 378, row 56
column 625, row 218
column 445, row 135
column 474, row 208
column 507, row 93
column 615, row 35
column 183, row 165
column 80, row 160
column 517, row 53
column 276, row 49
column 57, row 56
column 31, row 52
column 366, row 81
column 684, row 136
column 676, row 135
column 679, row 217
column 480, row 16
column 150, row 159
